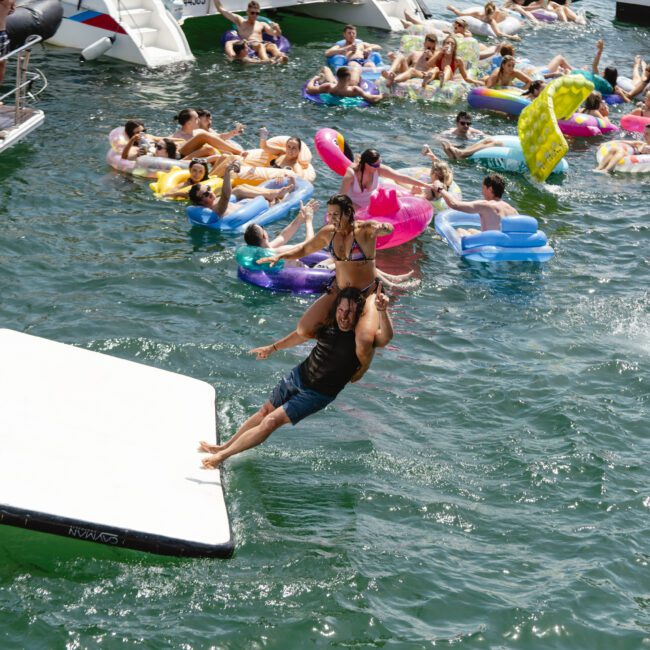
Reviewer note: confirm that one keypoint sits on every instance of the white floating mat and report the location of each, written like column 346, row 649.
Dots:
column 101, row 449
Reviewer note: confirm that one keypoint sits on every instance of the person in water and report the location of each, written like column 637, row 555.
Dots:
column 344, row 84
column 203, row 195
column 506, row 74
column 609, row 74
column 140, row 144
column 353, row 49
column 198, row 173
column 463, row 127
column 252, row 30
column 446, row 64
column 313, row 384
column 256, row 235
column 490, row 15
column 413, row 65
column 640, row 77
column 454, row 153
column 353, row 245
column 595, row 106
column 240, row 50
column 361, row 178
column 643, row 108
column 490, row 208
column 286, row 156
column 616, row 154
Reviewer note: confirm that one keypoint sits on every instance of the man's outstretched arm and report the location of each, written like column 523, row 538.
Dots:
column 289, row 341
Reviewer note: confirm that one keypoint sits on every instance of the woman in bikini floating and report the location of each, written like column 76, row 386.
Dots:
column 446, row 64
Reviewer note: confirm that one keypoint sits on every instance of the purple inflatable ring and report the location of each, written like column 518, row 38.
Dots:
column 294, row 279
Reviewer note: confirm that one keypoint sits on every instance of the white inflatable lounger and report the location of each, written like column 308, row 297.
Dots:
column 105, row 450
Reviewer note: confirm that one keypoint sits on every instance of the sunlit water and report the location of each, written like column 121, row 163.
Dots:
column 486, row 484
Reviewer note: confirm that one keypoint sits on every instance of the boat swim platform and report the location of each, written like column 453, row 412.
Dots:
column 102, row 449
column 14, row 129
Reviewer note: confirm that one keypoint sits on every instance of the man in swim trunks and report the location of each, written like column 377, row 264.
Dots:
column 7, row 7
column 203, row 195
column 314, row 383
column 251, row 30
column 414, row 65
column 345, row 84
column 356, row 52
column 490, row 209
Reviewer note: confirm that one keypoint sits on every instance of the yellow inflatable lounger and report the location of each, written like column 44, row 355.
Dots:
column 542, row 142
column 169, row 182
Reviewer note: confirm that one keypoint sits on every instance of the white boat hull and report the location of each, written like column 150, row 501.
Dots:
column 145, row 32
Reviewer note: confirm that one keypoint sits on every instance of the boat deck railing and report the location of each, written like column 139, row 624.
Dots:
column 24, row 80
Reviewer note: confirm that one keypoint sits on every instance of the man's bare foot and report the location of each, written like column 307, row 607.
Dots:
column 212, row 462
column 449, row 149
column 284, row 191
column 389, row 75
column 207, row 448
column 426, row 79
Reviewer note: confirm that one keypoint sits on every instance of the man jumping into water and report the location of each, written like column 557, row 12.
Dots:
column 313, row 384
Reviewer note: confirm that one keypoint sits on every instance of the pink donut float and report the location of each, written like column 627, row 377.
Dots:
column 409, row 215
column 584, row 126
column 330, row 145
column 634, row 123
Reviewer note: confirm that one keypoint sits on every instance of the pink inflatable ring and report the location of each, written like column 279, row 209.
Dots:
column 409, row 215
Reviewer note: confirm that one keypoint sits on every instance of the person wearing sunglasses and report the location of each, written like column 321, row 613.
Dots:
column 463, row 128
column 251, row 31
column 361, row 178
column 141, row 144
column 203, row 195
column 413, row 65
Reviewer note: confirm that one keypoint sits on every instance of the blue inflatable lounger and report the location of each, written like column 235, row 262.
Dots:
column 104, row 450
column 519, row 240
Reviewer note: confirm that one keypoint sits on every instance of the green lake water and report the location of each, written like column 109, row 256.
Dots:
column 485, row 486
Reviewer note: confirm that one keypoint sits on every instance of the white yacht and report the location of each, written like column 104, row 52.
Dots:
column 148, row 32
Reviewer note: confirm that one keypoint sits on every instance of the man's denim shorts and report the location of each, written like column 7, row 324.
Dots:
column 299, row 402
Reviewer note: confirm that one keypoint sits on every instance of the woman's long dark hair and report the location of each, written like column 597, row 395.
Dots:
column 368, row 156
column 204, row 163
column 344, row 202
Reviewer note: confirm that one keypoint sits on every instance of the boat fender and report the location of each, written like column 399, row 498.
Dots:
column 96, row 49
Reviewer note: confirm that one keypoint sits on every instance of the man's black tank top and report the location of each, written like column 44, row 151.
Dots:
column 331, row 363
